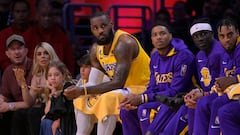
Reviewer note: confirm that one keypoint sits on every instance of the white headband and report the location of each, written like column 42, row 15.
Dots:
column 199, row 27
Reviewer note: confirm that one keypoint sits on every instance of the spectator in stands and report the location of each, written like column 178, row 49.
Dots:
column 43, row 55
column 14, row 120
column 172, row 68
column 5, row 13
column 194, row 7
column 84, row 64
column 45, row 30
column 205, row 9
column 57, row 12
column 21, row 25
column 214, row 10
column 181, row 22
column 163, row 15
column 85, row 68
column 54, row 121
column 38, row 95
column 235, row 7
column 118, row 55
column 179, row 11
column 217, row 8
column 229, row 13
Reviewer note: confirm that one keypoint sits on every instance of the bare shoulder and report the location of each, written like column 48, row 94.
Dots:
column 127, row 39
column 127, row 46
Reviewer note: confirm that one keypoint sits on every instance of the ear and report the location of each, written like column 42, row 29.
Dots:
column 112, row 25
column 7, row 53
column 237, row 32
column 26, row 50
column 170, row 35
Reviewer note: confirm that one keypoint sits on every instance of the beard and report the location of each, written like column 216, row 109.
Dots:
column 19, row 62
column 107, row 39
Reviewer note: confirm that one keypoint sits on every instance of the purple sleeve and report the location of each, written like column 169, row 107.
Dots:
column 231, row 64
column 237, row 62
column 152, row 87
column 184, row 66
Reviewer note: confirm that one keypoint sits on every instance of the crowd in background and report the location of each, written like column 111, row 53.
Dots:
column 179, row 16
column 46, row 28
column 184, row 13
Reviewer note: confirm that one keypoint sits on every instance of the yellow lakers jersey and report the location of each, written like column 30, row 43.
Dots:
column 139, row 73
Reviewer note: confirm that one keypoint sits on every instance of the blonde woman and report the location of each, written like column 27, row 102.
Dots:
column 43, row 55
column 38, row 94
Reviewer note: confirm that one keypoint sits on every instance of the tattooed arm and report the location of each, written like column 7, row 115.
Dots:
column 125, row 51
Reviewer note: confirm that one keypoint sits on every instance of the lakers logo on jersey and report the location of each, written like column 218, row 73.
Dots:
column 90, row 101
column 183, row 70
column 163, row 78
column 109, row 67
column 206, row 77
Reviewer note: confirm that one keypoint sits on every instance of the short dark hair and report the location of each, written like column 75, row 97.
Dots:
column 163, row 12
column 227, row 22
column 40, row 3
column 84, row 60
column 100, row 13
column 21, row 1
column 61, row 67
column 169, row 28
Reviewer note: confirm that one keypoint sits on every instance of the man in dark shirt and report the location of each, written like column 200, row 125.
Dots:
column 48, row 31
column 14, row 119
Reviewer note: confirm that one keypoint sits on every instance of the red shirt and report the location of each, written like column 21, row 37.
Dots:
column 59, row 41
column 9, row 87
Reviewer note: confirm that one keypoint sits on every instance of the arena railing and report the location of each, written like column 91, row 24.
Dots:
column 76, row 21
column 123, row 14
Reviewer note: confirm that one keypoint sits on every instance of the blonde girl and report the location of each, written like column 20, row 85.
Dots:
column 57, row 75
